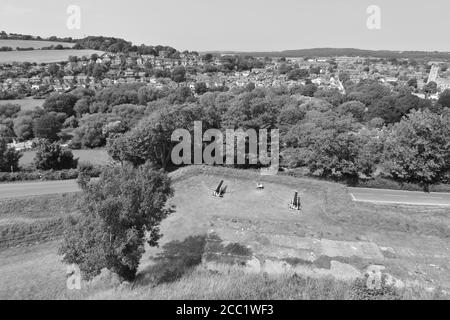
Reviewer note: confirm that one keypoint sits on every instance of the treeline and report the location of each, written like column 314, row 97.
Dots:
column 18, row 36
column 116, row 45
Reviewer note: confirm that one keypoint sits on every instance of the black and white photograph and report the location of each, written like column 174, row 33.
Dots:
column 224, row 156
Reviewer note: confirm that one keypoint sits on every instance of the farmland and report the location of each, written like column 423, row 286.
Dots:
column 44, row 56
column 329, row 232
column 36, row 44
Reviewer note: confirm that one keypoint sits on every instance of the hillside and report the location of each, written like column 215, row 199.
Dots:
column 35, row 44
column 44, row 56
column 330, row 52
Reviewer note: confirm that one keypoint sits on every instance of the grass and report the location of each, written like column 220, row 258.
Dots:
column 36, row 44
column 233, row 284
column 94, row 156
column 26, row 103
column 34, row 219
column 44, row 56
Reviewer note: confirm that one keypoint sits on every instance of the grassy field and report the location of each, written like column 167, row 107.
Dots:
column 44, row 56
column 36, row 44
column 34, row 219
column 96, row 157
column 413, row 242
column 25, row 104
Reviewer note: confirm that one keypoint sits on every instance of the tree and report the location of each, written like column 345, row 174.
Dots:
column 444, row 99
column 120, row 210
column 297, row 74
column 23, row 127
column 355, row 108
column 430, row 88
column 179, row 74
column 200, row 88
column 60, row 103
column 332, row 146
column 81, row 107
column 151, row 140
column 309, row 90
column 330, row 95
column 9, row 157
column 47, row 127
column 418, row 149
column 412, row 83
column 51, row 156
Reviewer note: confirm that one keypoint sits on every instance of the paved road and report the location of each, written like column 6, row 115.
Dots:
column 24, row 189
column 399, row 197
column 14, row 190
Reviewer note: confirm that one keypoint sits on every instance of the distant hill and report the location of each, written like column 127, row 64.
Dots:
column 330, row 52
column 35, row 44
column 44, row 56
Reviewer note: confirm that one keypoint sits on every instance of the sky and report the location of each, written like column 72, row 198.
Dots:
column 241, row 25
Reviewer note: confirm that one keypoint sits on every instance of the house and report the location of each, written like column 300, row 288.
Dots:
column 129, row 73
column 82, row 78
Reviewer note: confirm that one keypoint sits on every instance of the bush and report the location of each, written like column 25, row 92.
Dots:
column 53, row 156
column 360, row 291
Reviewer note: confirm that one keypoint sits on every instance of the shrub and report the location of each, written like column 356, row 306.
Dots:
column 360, row 291
column 53, row 156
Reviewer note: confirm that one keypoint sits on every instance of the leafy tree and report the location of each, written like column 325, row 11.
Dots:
column 418, row 148
column 23, row 127
column 6, row 132
column 200, row 88
column 298, row 74
column 444, row 99
column 9, row 110
column 81, row 107
column 392, row 108
column 150, row 140
column 51, row 156
column 355, row 108
column 283, row 68
column 331, row 146
column 64, row 102
column 412, row 83
column 47, row 127
column 330, row 95
column 90, row 132
column 309, row 90
column 9, row 157
column 430, row 88
column 179, row 74
column 121, row 211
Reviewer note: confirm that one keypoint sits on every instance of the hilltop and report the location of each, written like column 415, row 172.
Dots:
column 330, row 52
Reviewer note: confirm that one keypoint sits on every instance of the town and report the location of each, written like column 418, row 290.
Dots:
column 120, row 177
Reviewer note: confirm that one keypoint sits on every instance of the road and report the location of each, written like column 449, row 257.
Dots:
column 25, row 189
column 399, row 197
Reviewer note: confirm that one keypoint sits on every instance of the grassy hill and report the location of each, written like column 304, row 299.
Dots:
column 44, row 56
column 36, row 44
